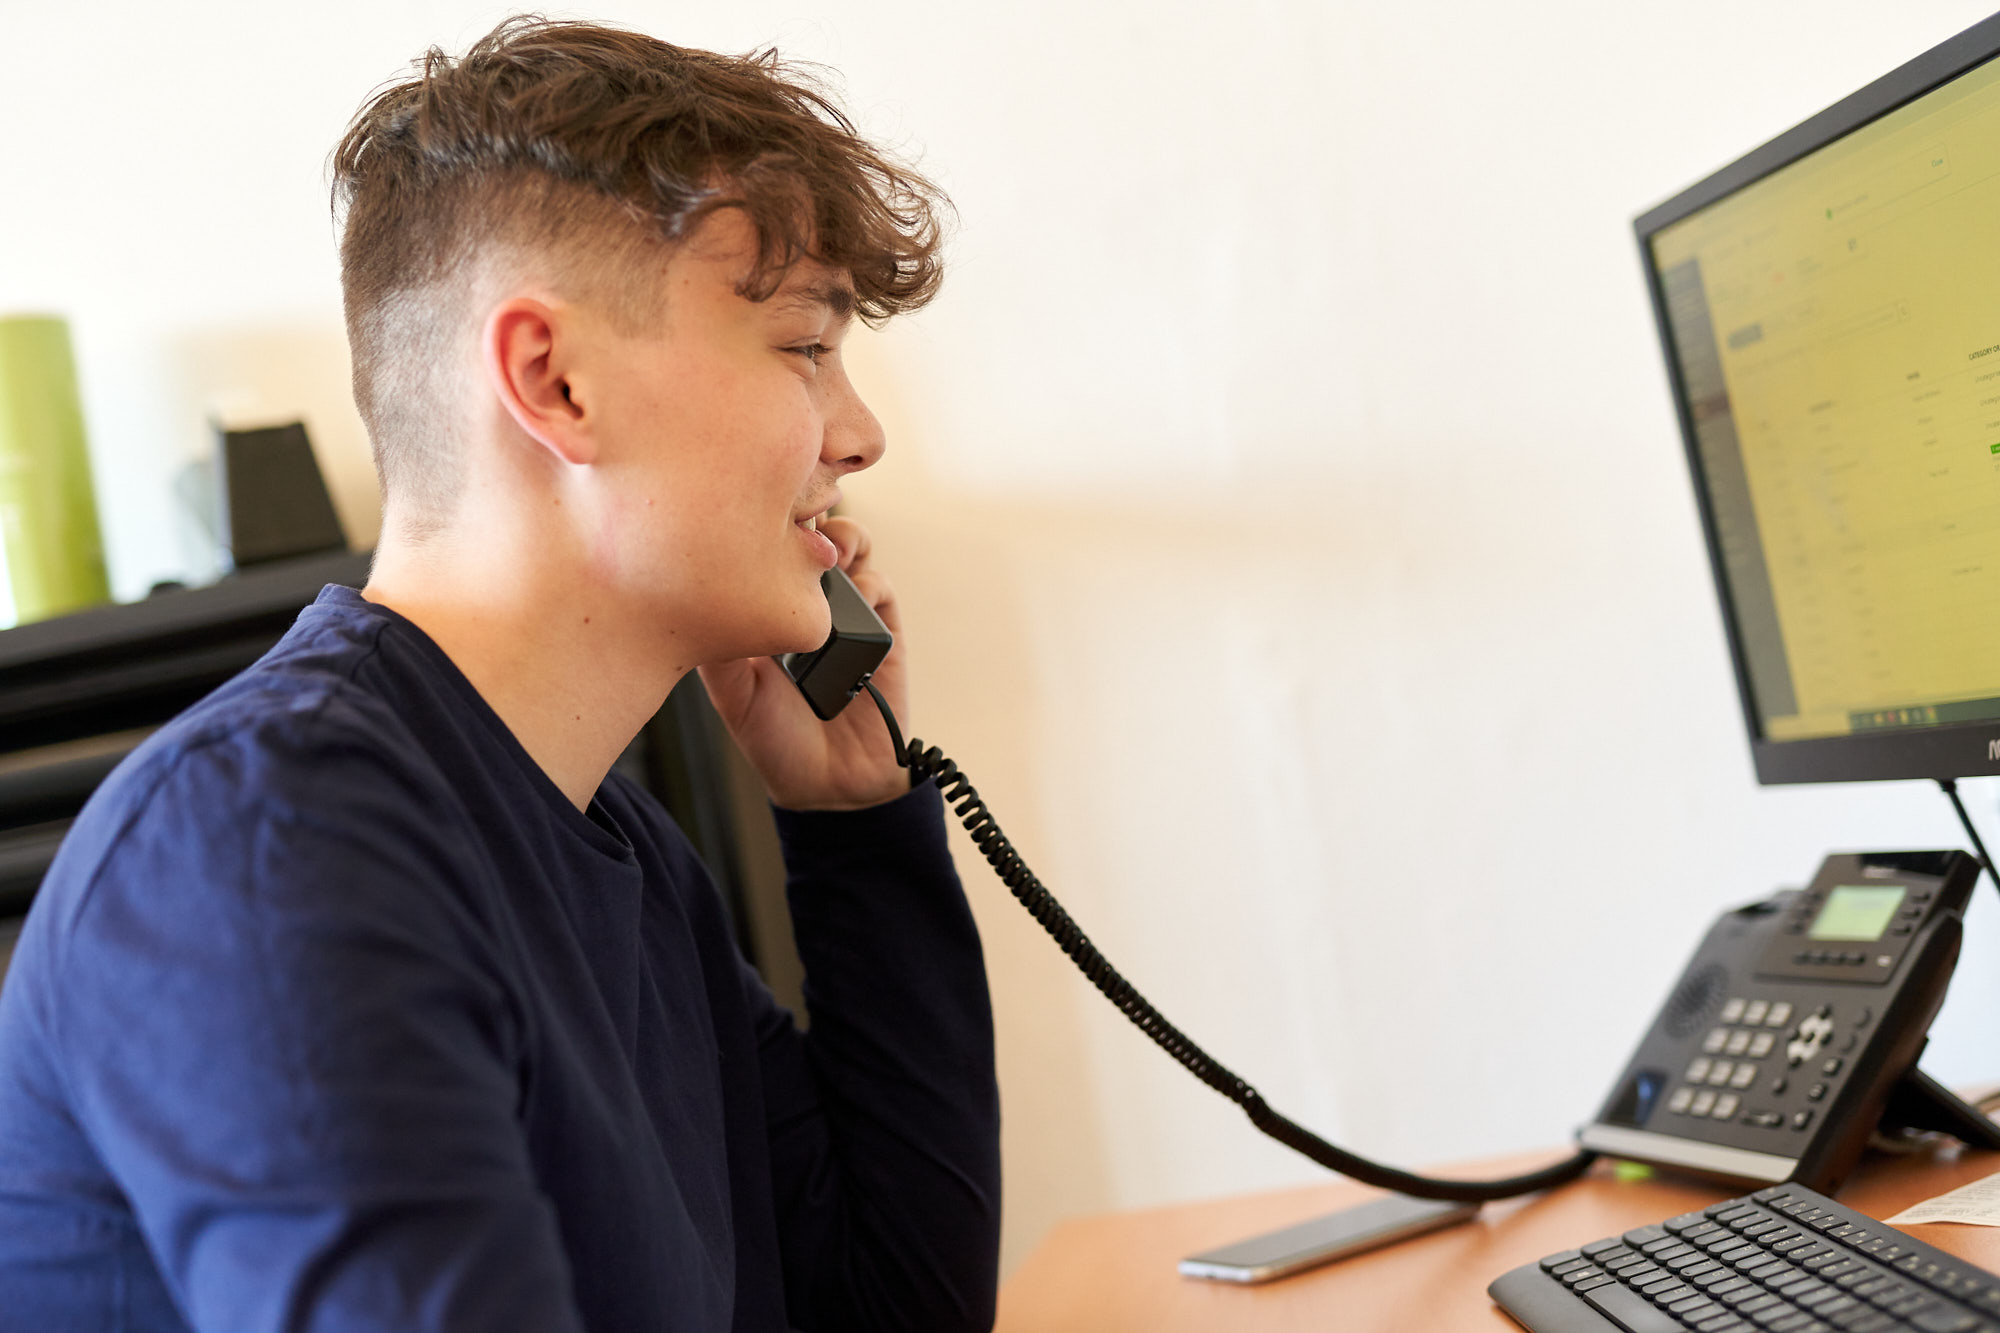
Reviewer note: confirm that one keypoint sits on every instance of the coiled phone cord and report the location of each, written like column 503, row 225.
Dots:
column 930, row 764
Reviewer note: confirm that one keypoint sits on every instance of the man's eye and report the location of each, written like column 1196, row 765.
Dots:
column 811, row 351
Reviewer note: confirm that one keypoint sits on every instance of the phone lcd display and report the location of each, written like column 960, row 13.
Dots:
column 1856, row 912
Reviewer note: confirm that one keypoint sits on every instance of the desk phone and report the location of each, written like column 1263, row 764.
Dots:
column 1796, row 1029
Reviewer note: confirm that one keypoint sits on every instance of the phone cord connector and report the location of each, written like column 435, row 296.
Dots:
column 928, row 763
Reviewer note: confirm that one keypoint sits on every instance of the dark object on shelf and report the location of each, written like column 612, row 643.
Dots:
column 274, row 502
column 80, row 692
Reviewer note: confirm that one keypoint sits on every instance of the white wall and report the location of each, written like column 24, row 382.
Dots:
column 1284, row 489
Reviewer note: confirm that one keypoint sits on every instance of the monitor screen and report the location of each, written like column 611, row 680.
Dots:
column 1831, row 313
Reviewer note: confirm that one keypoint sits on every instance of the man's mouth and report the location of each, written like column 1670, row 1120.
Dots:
column 822, row 547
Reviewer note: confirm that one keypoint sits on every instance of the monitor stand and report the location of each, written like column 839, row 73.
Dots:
column 1920, row 1102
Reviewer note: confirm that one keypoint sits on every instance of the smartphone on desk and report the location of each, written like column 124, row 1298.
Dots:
column 1353, row 1230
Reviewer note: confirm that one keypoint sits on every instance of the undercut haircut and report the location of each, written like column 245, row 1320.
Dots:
column 590, row 152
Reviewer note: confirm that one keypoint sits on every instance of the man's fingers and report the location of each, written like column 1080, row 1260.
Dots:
column 880, row 595
column 850, row 539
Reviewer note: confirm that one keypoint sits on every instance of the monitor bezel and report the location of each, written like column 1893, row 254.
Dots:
column 1957, row 750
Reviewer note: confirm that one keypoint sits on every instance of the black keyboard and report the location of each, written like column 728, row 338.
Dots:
column 1782, row 1260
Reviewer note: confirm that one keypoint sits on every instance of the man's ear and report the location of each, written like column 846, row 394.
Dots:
column 528, row 347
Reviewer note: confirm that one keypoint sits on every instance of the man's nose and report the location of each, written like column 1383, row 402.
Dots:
column 854, row 438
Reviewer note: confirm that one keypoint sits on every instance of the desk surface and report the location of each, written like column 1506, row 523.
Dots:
column 1116, row 1271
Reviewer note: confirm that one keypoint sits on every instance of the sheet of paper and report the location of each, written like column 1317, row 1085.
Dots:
column 1977, row 1203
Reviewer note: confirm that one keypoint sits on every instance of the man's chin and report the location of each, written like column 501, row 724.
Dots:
column 809, row 632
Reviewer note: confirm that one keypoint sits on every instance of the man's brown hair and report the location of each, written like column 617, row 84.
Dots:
column 596, row 150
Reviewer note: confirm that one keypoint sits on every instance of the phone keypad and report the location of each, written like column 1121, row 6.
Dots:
column 1721, row 1083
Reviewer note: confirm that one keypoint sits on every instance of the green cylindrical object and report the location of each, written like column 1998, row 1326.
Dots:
column 48, row 514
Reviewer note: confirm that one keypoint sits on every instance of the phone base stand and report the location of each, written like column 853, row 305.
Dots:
column 1920, row 1103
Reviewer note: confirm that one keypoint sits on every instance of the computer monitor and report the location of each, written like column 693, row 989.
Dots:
column 1830, row 310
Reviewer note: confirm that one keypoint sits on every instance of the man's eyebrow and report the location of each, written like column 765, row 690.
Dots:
column 836, row 297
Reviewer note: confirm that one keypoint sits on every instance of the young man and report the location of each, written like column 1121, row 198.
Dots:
column 360, row 997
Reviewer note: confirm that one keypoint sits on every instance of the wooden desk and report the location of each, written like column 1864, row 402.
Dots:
column 1116, row 1271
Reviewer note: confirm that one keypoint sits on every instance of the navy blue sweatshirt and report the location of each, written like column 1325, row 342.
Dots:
column 334, row 1013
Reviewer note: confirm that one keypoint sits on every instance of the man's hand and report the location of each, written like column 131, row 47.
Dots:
column 808, row 764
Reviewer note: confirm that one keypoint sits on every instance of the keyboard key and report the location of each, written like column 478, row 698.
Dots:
column 1872, row 1322
column 1946, row 1320
column 1629, row 1310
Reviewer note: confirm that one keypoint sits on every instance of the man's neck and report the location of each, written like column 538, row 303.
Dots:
column 569, row 673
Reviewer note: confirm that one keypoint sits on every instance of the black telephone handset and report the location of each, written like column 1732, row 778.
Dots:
column 1795, row 1029
column 832, row 674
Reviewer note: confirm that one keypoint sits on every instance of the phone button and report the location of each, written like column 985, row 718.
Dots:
column 1781, row 1014
column 1756, row 1011
column 1697, row 1070
column 1713, row 1043
column 1760, row 1045
column 1802, row 1119
column 1831, row 1067
column 1725, row 1106
column 1678, row 1103
column 1765, row 1119
column 1816, row 1092
column 1703, row 1102
column 1733, row 1010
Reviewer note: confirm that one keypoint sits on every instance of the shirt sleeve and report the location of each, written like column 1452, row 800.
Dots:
column 283, row 1026
column 884, row 1117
